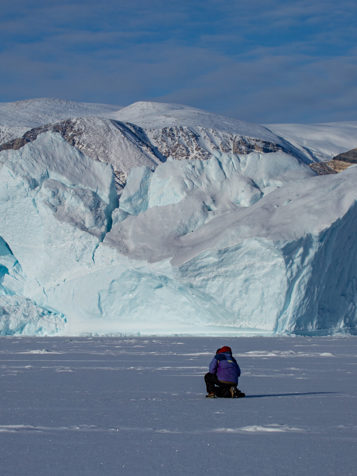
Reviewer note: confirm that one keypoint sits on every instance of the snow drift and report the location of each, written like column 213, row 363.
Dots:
column 230, row 243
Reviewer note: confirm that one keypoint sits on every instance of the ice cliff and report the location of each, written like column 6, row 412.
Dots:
column 236, row 241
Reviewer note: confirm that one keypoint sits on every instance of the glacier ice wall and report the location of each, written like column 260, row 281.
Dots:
column 252, row 243
column 18, row 314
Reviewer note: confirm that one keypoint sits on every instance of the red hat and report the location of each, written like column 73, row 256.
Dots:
column 225, row 348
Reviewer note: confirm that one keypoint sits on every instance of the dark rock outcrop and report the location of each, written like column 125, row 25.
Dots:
column 339, row 163
column 350, row 156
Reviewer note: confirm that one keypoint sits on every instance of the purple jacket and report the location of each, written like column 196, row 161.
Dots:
column 225, row 366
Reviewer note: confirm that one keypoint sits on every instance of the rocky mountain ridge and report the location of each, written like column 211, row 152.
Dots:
column 105, row 140
column 338, row 164
column 125, row 145
column 147, row 133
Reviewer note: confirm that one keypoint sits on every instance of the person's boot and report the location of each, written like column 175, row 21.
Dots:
column 239, row 394
column 211, row 395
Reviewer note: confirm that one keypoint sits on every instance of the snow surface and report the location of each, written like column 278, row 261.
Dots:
column 36, row 112
column 313, row 142
column 18, row 117
column 321, row 141
column 115, row 141
column 8, row 133
column 155, row 115
column 93, row 406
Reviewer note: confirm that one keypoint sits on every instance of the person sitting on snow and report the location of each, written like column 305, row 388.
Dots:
column 222, row 378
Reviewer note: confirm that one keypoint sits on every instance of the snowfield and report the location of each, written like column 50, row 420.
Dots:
column 108, row 406
column 36, row 112
column 322, row 141
column 18, row 117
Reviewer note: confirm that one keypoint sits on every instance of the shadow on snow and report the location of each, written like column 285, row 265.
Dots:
column 289, row 394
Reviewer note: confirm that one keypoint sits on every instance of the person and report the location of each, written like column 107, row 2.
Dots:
column 222, row 377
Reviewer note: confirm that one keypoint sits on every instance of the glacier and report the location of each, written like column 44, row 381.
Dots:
column 237, row 243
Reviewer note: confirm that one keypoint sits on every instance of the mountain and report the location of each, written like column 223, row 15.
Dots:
column 113, row 142
column 319, row 142
column 350, row 157
column 18, row 117
column 36, row 112
column 339, row 163
column 163, row 219
column 148, row 133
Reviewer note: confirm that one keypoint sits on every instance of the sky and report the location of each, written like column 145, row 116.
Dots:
column 257, row 60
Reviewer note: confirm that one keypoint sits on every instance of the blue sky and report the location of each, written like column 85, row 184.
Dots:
column 262, row 61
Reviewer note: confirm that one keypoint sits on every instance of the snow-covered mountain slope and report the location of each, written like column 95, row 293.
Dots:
column 250, row 243
column 18, row 117
column 184, row 132
column 128, row 144
column 154, row 115
column 339, row 163
column 175, row 128
column 319, row 141
column 36, row 112
column 121, row 145
column 8, row 133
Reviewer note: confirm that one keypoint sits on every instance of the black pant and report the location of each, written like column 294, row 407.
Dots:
column 218, row 388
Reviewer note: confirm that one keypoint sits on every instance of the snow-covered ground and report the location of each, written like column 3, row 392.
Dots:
column 109, row 406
